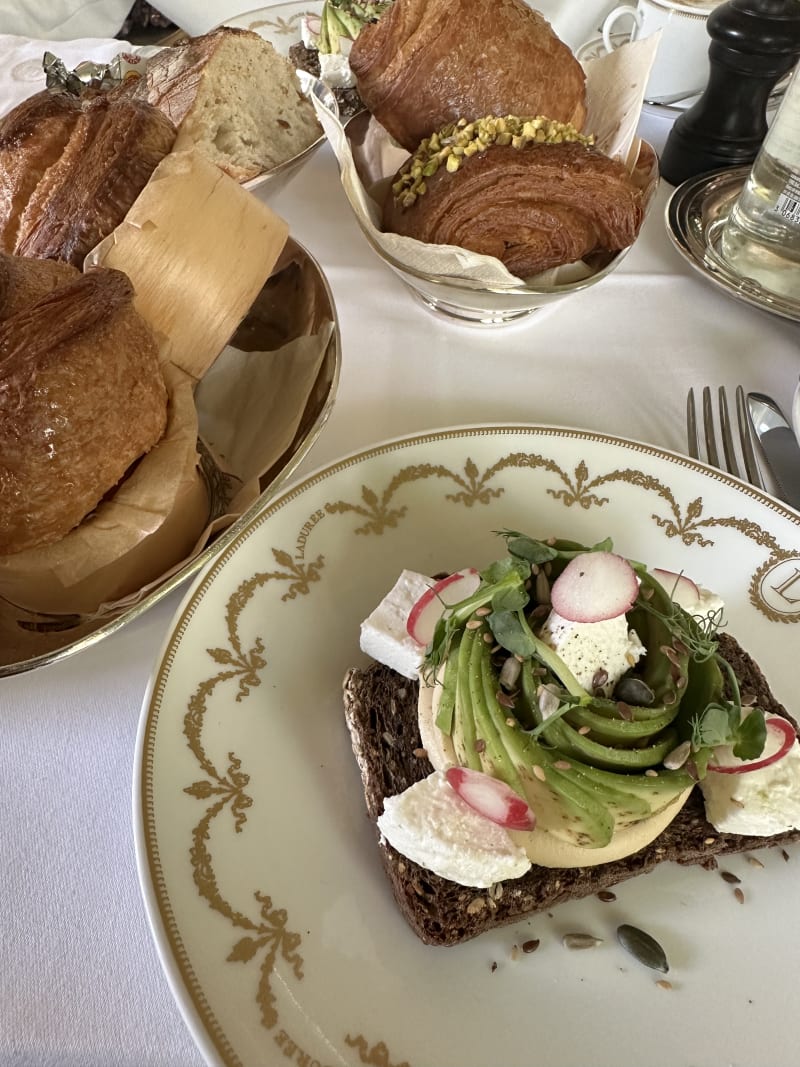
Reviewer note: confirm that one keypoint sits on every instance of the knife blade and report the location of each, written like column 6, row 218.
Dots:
column 781, row 448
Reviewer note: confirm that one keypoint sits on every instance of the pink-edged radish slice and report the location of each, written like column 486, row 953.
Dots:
column 680, row 588
column 491, row 798
column 593, row 587
column 780, row 738
column 430, row 607
column 314, row 23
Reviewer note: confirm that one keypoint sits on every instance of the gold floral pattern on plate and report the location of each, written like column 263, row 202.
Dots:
column 258, row 869
column 280, row 24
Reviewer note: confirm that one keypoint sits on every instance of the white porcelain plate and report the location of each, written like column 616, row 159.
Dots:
column 258, row 865
column 278, row 23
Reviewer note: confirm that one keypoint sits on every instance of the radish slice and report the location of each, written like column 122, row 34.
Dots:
column 427, row 611
column 593, row 587
column 680, row 588
column 783, row 737
column 491, row 798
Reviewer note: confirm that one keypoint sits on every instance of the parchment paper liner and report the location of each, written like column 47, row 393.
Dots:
column 615, row 86
column 199, row 250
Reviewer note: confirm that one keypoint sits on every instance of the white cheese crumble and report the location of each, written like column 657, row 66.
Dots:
column 384, row 636
column 705, row 603
column 589, row 647
column 431, row 825
column 335, row 70
column 334, row 67
column 762, row 802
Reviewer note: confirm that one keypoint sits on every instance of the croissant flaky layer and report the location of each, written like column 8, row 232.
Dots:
column 429, row 62
column 532, row 208
column 82, row 397
column 71, row 168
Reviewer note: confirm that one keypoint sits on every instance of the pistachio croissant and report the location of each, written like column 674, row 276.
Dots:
column 425, row 63
column 534, row 207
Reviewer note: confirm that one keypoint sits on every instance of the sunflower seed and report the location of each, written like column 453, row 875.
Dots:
column 730, row 877
column 642, row 947
column 678, row 756
column 580, row 940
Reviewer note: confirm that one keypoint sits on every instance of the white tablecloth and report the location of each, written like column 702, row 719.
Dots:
column 81, row 984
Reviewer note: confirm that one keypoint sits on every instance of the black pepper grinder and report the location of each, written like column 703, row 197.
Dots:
column 753, row 44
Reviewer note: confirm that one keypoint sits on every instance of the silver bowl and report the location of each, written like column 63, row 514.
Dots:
column 471, row 301
column 295, row 302
column 276, row 178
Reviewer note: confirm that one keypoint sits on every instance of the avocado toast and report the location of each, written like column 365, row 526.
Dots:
column 594, row 784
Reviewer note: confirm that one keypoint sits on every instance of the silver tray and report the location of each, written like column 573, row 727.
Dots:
column 295, row 302
column 694, row 215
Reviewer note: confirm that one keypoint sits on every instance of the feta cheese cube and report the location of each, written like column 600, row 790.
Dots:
column 383, row 633
column 762, row 802
column 431, row 825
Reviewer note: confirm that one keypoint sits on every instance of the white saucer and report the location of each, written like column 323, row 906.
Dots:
column 695, row 213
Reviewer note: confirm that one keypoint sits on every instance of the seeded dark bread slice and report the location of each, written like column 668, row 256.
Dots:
column 381, row 714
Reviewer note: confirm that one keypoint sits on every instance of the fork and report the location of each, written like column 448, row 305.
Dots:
column 750, row 463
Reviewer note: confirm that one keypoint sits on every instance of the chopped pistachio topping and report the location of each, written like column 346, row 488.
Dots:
column 457, row 140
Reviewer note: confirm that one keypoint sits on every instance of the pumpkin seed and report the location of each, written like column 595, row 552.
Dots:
column 634, row 691
column 642, row 947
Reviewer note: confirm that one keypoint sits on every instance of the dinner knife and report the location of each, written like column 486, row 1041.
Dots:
column 781, row 448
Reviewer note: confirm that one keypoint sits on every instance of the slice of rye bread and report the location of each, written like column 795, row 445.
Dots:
column 381, row 714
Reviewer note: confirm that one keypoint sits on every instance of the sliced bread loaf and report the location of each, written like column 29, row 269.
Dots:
column 234, row 98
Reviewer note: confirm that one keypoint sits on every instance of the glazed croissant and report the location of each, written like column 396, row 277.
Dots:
column 71, row 168
column 425, row 63
column 533, row 207
column 82, row 397
column 24, row 281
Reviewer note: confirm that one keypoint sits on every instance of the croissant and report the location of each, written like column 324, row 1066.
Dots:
column 81, row 398
column 33, row 137
column 71, row 168
column 533, row 208
column 23, row 281
column 425, row 63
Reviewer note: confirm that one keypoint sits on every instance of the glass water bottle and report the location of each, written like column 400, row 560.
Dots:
column 761, row 237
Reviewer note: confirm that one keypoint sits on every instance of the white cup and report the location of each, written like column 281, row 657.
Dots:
column 681, row 61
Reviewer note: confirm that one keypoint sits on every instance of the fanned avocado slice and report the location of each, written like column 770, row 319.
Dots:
column 594, row 763
column 571, row 800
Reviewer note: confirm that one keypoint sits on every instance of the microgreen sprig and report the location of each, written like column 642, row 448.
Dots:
column 721, row 722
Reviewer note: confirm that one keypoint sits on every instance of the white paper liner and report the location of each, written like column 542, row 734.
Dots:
column 615, row 87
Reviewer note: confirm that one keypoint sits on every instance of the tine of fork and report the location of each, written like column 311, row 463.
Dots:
column 746, row 437
column 727, row 436
column 708, row 428
column 691, row 427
